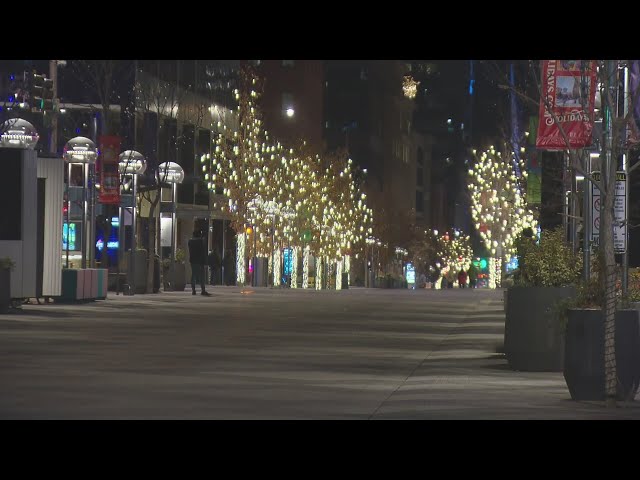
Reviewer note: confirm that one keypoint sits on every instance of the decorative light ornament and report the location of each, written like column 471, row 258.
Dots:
column 410, row 87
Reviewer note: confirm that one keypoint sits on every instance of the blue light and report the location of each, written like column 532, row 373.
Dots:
column 115, row 221
column 471, row 86
column 77, row 130
column 12, row 77
column 11, row 98
column 111, row 245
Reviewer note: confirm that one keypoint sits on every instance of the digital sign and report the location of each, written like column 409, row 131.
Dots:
column 69, row 233
column 411, row 274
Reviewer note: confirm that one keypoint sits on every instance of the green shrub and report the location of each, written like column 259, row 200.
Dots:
column 549, row 263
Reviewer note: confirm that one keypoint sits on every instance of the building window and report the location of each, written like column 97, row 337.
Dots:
column 288, row 63
column 419, row 201
column 363, row 74
column 326, row 124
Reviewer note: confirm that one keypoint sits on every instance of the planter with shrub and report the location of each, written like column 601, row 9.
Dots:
column 584, row 363
column 548, row 273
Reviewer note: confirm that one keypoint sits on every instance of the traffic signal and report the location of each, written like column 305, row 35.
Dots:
column 41, row 93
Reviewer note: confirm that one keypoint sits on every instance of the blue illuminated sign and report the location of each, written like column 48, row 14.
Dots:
column 111, row 244
column 69, row 231
column 288, row 261
column 411, row 274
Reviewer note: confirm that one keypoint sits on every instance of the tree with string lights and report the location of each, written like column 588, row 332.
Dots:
column 290, row 197
column 498, row 205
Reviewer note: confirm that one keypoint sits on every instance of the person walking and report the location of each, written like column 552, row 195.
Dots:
column 198, row 259
column 451, row 277
column 473, row 276
column 462, row 279
column 214, row 266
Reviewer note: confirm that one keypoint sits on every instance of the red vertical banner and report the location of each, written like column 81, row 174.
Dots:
column 568, row 97
column 109, row 150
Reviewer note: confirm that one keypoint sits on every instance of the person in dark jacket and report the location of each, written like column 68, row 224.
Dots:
column 214, row 266
column 198, row 259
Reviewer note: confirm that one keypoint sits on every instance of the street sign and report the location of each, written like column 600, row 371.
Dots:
column 620, row 212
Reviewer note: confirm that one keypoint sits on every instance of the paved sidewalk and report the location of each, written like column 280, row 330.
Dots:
column 275, row 354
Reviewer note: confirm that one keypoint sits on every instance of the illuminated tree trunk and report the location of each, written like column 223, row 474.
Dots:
column 339, row 275
column 294, row 267
column 277, row 260
column 240, row 260
column 305, row 267
column 319, row 273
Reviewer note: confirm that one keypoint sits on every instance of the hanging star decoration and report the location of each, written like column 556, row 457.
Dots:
column 410, row 87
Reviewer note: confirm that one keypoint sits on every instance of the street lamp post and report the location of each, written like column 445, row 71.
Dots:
column 81, row 150
column 131, row 163
column 170, row 172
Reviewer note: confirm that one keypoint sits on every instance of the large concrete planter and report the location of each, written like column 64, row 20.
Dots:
column 141, row 272
column 533, row 334
column 5, row 290
column 584, row 354
column 180, row 277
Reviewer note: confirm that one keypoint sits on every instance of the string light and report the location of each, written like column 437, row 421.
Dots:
column 498, row 206
column 305, row 201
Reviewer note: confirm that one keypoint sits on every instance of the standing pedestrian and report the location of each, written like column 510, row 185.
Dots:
column 198, row 259
column 214, row 265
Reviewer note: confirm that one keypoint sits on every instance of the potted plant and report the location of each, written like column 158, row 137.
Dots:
column 548, row 272
column 176, row 280
column 179, row 273
column 6, row 266
column 584, row 366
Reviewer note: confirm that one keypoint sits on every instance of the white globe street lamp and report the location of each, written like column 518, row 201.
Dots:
column 131, row 162
column 81, row 150
column 18, row 133
column 170, row 172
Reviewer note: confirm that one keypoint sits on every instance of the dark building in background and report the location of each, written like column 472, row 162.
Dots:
column 292, row 100
column 444, row 113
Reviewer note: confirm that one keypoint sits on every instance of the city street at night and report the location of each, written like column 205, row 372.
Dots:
column 276, row 354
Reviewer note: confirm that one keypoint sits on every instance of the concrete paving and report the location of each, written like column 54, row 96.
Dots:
column 275, row 354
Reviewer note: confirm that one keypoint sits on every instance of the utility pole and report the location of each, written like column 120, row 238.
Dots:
column 53, row 75
column 625, row 159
